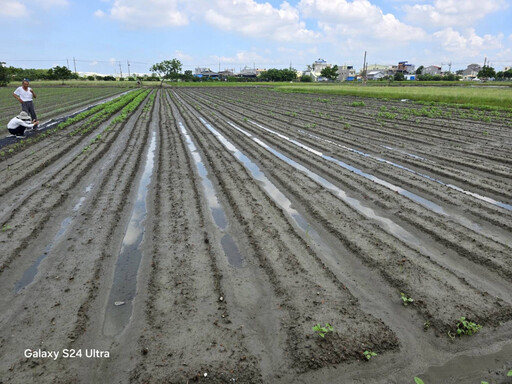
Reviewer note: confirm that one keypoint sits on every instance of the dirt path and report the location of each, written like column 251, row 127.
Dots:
column 204, row 237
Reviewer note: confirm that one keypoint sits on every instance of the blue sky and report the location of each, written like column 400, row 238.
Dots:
column 101, row 34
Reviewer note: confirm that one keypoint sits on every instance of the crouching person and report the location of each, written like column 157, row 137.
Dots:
column 19, row 124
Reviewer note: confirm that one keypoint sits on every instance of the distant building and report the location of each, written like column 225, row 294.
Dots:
column 346, row 73
column 375, row 75
column 506, row 69
column 315, row 70
column 471, row 72
column 248, row 72
column 431, row 70
column 406, row 68
column 206, row 73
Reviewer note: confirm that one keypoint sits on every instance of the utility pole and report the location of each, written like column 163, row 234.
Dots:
column 120, row 71
column 364, row 69
column 485, row 61
column 128, row 67
column 450, row 67
column 74, row 64
column 67, row 61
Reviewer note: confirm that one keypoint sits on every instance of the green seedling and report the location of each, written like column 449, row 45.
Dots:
column 322, row 331
column 6, row 227
column 369, row 354
column 405, row 300
column 426, row 325
column 509, row 373
column 417, row 380
column 466, row 327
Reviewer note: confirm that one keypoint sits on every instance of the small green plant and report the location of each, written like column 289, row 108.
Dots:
column 466, row 327
column 322, row 331
column 509, row 373
column 417, row 380
column 369, row 354
column 346, row 126
column 246, row 119
column 405, row 300
column 426, row 325
column 358, row 104
column 6, row 227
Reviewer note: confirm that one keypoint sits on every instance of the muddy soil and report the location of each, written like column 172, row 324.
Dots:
column 202, row 239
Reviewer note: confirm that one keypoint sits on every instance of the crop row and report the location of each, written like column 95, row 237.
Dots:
column 51, row 102
column 124, row 115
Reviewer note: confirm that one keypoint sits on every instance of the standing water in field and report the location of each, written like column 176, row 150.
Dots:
column 124, row 286
column 31, row 272
column 219, row 217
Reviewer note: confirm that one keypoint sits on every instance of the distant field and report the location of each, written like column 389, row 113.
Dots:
column 52, row 101
column 481, row 96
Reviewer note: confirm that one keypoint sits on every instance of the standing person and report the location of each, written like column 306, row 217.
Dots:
column 18, row 124
column 25, row 95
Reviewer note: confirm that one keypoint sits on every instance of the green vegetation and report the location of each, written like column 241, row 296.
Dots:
column 475, row 96
column 369, row 354
column 322, row 331
column 417, row 380
column 330, row 73
column 167, row 69
column 466, row 327
column 358, row 104
column 6, row 227
column 405, row 300
column 278, row 75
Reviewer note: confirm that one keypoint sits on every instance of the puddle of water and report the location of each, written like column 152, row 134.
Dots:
column 397, row 150
column 475, row 195
column 472, row 369
column 229, row 247
column 426, row 203
column 311, row 236
column 231, row 250
column 124, row 286
column 31, row 272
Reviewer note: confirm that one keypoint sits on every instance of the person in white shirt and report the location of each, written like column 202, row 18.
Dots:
column 19, row 124
column 25, row 95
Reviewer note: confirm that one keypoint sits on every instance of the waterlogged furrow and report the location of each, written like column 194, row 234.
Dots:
column 124, row 287
column 297, row 274
column 419, row 275
column 228, row 244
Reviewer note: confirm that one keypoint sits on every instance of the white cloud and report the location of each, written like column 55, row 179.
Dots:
column 359, row 19
column 450, row 13
column 100, row 14
column 262, row 20
column 467, row 44
column 12, row 8
column 149, row 13
column 182, row 56
column 242, row 58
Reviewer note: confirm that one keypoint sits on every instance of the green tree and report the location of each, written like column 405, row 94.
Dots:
column 399, row 76
column 486, row 73
column 274, row 74
column 167, row 69
column 330, row 73
column 420, row 69
column 4, row 75
column 60, row 73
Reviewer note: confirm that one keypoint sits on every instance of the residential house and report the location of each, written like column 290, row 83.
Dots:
column 431, row 70
column 346, row 73
column 406, row 68
column 375, row 75
column 471, row 72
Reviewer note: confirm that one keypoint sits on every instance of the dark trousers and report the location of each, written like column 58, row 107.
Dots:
column 28, row 106
column 19, row 131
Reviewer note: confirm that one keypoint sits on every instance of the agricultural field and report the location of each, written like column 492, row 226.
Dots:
column 244, row 235
column 53, row 101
